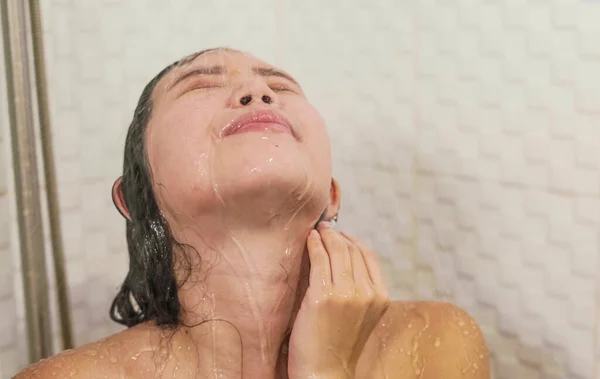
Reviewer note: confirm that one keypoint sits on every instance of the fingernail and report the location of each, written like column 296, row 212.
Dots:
column 323, row 224
column 314, row 234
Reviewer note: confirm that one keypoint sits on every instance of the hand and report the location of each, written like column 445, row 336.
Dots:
column 345, row 300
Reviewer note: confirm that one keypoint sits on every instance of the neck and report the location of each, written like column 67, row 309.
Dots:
column 242, row 293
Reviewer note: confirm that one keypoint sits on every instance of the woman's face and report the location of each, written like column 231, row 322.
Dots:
column 228, row 129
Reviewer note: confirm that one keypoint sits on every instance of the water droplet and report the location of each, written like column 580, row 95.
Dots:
column 417, row 371
column 466, row 332
column 437, row 342
column 481, row 356
column 113, row 359
column 461, row 323
column 475, row 366
column 410, row 325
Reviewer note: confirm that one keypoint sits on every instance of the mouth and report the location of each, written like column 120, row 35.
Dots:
column 261, row 121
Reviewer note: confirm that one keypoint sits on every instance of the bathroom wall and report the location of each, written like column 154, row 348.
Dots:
column 465, row 135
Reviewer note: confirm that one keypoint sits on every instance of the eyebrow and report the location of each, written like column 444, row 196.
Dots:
column 214, row 70
column 273, row 72
column 220, row 70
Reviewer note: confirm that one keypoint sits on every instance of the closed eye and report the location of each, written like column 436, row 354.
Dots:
column 281, row 88
column 203, row 85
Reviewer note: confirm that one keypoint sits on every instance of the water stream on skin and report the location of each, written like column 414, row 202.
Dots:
column 258, row 317
column 418, row 365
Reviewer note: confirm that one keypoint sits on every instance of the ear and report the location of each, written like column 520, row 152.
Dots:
column 118, row 199
column 335, row 197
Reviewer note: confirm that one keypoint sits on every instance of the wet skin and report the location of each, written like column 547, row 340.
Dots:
column 248, row 192
column 423, row 340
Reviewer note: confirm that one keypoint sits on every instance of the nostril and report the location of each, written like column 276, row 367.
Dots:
column 266, row 99
column 246, row 100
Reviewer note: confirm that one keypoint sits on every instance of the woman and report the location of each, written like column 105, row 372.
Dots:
column 227, row 171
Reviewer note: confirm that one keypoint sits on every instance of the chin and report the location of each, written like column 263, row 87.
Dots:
column 259, row 175
column 277, row 181
column 255, row 159
column 274, row 181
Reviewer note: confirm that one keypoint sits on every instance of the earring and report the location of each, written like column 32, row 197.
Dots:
column 333, row 221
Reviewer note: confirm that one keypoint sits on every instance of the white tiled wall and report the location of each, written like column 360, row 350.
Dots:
column 466, row 138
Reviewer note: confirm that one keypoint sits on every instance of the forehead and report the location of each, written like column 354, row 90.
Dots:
column 222, row 56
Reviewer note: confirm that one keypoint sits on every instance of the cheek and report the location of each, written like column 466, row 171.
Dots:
column 179, row 146
column 316, row 136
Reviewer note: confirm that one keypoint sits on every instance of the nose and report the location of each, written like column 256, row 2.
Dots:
column 253, row 92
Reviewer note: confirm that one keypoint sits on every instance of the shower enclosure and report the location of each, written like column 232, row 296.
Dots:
column 28, row 109
column 465, row 137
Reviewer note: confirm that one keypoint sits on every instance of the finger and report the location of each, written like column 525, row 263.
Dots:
column 372, row 263
column 359, row 266
column 341, row 265
column 320, row 267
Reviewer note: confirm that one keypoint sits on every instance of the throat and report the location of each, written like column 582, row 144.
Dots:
column 243, row 320
column 241, row 347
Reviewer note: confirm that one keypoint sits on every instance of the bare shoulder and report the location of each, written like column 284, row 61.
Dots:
column 427, row 340
column 114, row 356
column 455, row 346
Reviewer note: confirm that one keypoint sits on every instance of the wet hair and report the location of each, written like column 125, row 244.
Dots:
column 149, row 291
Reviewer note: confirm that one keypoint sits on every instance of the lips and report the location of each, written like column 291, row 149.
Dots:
column 258, row 121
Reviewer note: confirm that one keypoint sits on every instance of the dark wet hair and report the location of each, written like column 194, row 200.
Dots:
column 149, row 291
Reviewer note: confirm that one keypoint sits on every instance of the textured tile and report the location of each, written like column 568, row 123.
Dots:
column 470, row 128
